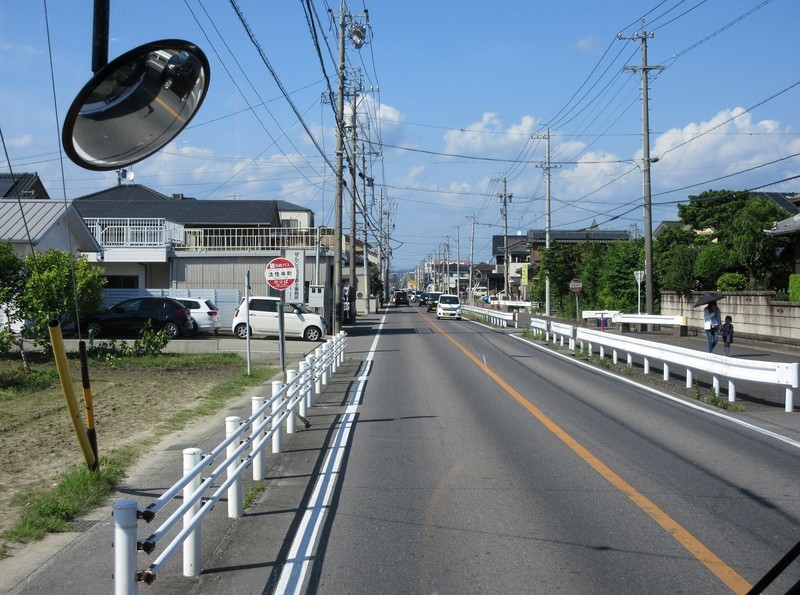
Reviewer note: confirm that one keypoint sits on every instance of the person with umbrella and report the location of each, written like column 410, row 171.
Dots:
column 712, row 317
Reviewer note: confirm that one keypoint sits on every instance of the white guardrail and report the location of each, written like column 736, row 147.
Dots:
column 496, row 317
column 232, row 457
column 785, row 374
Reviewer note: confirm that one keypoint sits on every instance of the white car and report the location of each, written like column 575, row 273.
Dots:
column 448, row 306
column 205, row 315
column 297, row 321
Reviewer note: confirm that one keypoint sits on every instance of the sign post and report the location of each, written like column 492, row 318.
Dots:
column 575, row 286
column 639, row 276
column 281, row 275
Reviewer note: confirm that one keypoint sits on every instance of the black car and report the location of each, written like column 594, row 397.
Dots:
column 422, row 298
column 432, row 300
column 129, row 317
column 400, row 298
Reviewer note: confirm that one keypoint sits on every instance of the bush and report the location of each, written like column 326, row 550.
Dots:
column 6, row 341
column 794, row 288
column 732, row 282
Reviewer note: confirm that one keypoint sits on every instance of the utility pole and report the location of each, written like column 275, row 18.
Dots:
column 547, row 167
column 648, row 216
column 337, row 224
column 458, row 264
column 470, row 292
column 505, row 198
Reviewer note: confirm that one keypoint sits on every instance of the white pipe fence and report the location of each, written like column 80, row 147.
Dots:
column 269, row 419
column 781, row 374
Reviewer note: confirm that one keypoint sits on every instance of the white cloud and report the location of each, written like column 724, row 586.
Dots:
column 489, row 137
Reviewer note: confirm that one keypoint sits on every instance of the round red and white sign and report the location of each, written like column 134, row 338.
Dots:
column 280, row 273
column 575, row 285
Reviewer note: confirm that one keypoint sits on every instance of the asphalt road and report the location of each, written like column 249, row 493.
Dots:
column 473, row 462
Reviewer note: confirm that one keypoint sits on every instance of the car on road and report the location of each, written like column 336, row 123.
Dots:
column 205, row 315
column 400, row 298
column 297, row 320
column 130, row 316
column 432, row 300
column 448, row 306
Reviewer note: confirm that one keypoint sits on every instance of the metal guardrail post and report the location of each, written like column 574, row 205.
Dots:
column 304, row 386
column 277, row 434
column 235, row 491
column 318, row 370
column 312, row 379
column 125, row 547
column 259, row 454
column 192, row 550
column 326, row 363
column 291, row 375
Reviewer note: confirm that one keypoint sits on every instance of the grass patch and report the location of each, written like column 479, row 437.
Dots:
column 78, row 491
column 137, row 401
column 251, row 494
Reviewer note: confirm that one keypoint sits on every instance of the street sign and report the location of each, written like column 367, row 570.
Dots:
column 280, row 273
column 575, row 285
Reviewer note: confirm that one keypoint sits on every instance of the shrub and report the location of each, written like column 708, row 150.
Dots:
column 794, row 288
column 732, row 282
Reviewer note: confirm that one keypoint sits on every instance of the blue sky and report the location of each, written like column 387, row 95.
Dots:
column 457, row 95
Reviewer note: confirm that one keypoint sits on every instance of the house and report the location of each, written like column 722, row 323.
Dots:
column 148, row 239
column 41, row 225
column 789, row 227
column 24, row 186
column 526, row 250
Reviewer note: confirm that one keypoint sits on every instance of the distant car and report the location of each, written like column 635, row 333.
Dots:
column 479, row 291
column 422, row 298
column 432, row 300
column 129, row 317
column 400, row 298
column 448, row 306
column 297, row 321
column 205, row 315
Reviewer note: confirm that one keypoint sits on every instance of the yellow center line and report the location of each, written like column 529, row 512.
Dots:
column 732, row 579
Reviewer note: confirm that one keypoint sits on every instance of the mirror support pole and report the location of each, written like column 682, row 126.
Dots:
column 100, row 34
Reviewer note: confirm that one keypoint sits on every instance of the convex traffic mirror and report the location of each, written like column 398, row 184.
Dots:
column 136, row 104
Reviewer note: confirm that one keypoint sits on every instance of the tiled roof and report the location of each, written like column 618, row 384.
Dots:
column 536, row 237
column 785, row 227
column 24, row 185
column 137, row 201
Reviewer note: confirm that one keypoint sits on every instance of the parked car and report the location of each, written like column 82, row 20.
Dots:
column 129, row 317
column 448, row 306
column 432, row 300
column 297, row 320
column 400, row 298
column 205, row 315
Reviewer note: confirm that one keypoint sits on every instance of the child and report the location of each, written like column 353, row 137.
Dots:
column 727, row 336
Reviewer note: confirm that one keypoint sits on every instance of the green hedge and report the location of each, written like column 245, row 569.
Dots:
column 794, row 288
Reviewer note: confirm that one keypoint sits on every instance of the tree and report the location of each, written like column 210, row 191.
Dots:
column 619, row 288
column 12, row 282
column 755, row 251
column 58, row 286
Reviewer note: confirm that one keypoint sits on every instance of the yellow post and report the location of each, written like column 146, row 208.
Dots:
column 60, row 355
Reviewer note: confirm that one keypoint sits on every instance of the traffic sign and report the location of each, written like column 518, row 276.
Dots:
column 575, row 285
column 280, row 273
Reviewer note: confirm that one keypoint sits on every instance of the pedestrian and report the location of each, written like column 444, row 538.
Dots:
column 712, row 323
column 727, row 336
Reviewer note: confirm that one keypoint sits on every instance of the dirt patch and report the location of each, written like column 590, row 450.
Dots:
column 37, row 439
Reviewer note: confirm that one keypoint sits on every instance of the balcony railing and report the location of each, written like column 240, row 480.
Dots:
column 126, row 232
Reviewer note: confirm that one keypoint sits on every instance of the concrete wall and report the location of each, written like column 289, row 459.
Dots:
column 755, row 314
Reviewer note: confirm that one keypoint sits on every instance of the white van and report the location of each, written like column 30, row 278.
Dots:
column 297, row 321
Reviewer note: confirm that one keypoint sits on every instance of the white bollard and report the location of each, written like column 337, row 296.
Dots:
column 312, row 380
column 666, row 371
column 715, row 385
column 125, row 547
column 259, row 454
column 646, row 366
column 731, row 390
column 689, row 377
column 192, row 550
column 318, row 355
column 290, row 395
column 788, row 406
column 305, row 386
column 326, row 364
column 277, row 436
column 235, row 491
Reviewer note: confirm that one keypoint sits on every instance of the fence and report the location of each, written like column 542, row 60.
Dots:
column 782, row 374
column 266, row 423
column 491, row 316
